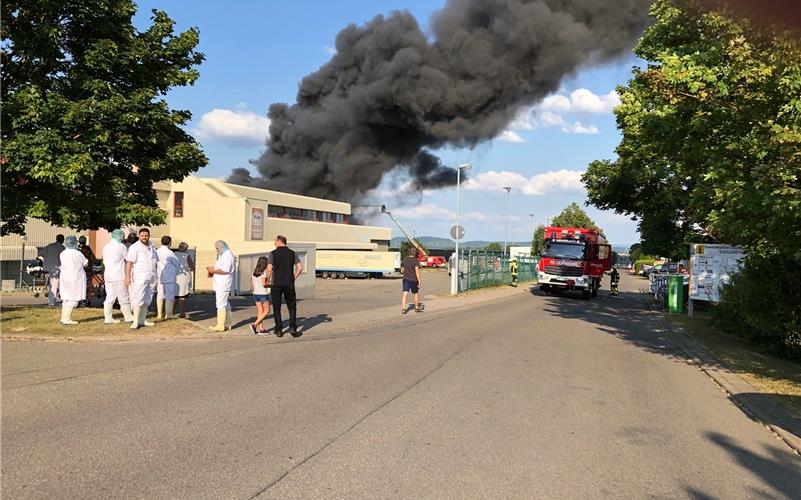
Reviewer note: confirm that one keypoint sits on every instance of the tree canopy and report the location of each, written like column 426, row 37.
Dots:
column 711, row 135
column 86, row 126
column 494, row 247
column 538, row 240
column 573, row 216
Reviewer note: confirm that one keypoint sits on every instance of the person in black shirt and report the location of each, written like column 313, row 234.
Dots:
column 410, row 267
column 283, row 269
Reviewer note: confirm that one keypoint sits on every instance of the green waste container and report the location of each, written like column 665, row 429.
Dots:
column 675, row 294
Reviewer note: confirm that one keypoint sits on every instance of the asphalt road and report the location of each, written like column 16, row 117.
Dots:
column 528, row 397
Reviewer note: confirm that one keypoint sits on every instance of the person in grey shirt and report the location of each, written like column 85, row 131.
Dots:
column 410, row 267
column 52, row 263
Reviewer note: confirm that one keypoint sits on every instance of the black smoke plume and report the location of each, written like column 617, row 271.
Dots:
column 391, row 90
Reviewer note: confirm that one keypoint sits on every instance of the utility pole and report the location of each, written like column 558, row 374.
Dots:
column 508, row 189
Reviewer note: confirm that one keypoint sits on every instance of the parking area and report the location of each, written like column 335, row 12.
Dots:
column 352, row 295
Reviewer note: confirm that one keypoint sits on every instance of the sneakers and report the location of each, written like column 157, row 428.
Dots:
column 253, row 329
column 279, row 333
column 294, row 332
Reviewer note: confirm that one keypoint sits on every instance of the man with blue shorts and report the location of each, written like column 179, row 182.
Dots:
column 410, row 267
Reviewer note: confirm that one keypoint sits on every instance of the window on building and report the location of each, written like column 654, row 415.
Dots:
column 339, row 218
column 273, row 211
column 178, row 204
column 325, row 216
column 309, row 215
column 295, row 213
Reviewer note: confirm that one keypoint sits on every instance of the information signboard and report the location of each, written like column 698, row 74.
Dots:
column 711, row 267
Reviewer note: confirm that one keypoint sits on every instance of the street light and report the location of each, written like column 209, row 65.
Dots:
column 506, row 222
column 455, row 270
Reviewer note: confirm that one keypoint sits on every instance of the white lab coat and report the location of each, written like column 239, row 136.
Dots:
column 184, row 277
column 222, row 283
column 114, row 254
column 167, row 271
column 143, row 274
column 73, row 275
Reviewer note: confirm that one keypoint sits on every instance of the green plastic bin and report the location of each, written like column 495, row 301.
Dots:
column 675, row 294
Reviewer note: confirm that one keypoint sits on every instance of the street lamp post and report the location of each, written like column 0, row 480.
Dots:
column 508, row 189
column 455, row 269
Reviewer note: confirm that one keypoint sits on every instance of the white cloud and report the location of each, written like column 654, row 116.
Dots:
column 578, row 128
column 580, row 101
column 537, row 185
column 240, row 127
column 433, row 212
column 425, row 211
column 329, row 50
column 551, row 111
column 509, row 136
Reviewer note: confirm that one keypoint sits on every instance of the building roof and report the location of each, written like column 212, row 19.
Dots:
column 274, row 197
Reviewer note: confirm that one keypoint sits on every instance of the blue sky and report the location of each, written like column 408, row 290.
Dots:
column 257, row 52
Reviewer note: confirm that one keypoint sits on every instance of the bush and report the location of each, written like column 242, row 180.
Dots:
column 648, row 260
column 763, row 304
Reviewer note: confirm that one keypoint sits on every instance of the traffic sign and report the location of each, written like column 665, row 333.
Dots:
column 457, row 232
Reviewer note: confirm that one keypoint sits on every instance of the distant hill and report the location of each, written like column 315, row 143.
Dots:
column 434, row 243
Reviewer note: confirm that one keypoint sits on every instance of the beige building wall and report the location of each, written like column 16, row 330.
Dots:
column 214, row 210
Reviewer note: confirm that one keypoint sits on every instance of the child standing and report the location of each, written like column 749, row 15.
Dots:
column 261, row 295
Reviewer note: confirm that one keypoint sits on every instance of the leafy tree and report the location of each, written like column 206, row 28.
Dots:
column 494, row 247
column 538, row 240
column 86, row 127
column 406, row 247
column 711, row 135
column 711, row 150
column 573, row 216
column 635, row 251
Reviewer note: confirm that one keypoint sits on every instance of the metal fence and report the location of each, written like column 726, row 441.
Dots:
column 480, row 269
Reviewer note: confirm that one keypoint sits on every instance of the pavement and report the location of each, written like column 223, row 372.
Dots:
column 500, row 394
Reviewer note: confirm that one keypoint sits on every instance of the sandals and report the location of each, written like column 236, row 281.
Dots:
column 418, row 309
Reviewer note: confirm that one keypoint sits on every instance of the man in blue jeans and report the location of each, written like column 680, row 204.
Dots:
column 410, row 267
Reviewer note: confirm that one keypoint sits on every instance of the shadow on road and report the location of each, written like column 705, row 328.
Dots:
column 781, row 470
column 306, row 324
column 625, row 316
column 774, row 404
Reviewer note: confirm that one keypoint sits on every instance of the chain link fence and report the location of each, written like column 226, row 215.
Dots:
column 480, row 269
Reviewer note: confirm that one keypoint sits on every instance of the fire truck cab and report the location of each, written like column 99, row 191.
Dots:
column 574, row 259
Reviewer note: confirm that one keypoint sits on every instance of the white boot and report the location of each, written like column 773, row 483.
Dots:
column 137, row 317
column 143, row 316
column 66, row 315
column 159, row 309
column 228, row 318
column 169, row 307
column 126, row 312
column 108, row 312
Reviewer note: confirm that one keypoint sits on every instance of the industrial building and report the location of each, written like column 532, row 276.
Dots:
column 202, row 210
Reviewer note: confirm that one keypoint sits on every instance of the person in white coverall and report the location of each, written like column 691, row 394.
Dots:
column 167, row 272
column 73, row 279
column 222, row 275
column 140, row 277
column 51, row 254
column 114, row 254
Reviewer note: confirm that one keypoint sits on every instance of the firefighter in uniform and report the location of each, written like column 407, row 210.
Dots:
column 615, row 279
column 513, row 268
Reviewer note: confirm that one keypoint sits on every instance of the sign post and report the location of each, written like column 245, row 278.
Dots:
column 711, row 267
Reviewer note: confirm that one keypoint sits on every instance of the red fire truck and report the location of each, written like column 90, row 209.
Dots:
column 574, row 259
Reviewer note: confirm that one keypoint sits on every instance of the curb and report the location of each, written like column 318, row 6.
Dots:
column 771, row 415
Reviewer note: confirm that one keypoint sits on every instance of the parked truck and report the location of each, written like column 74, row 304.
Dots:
column 574, row 259
column 340, row 264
